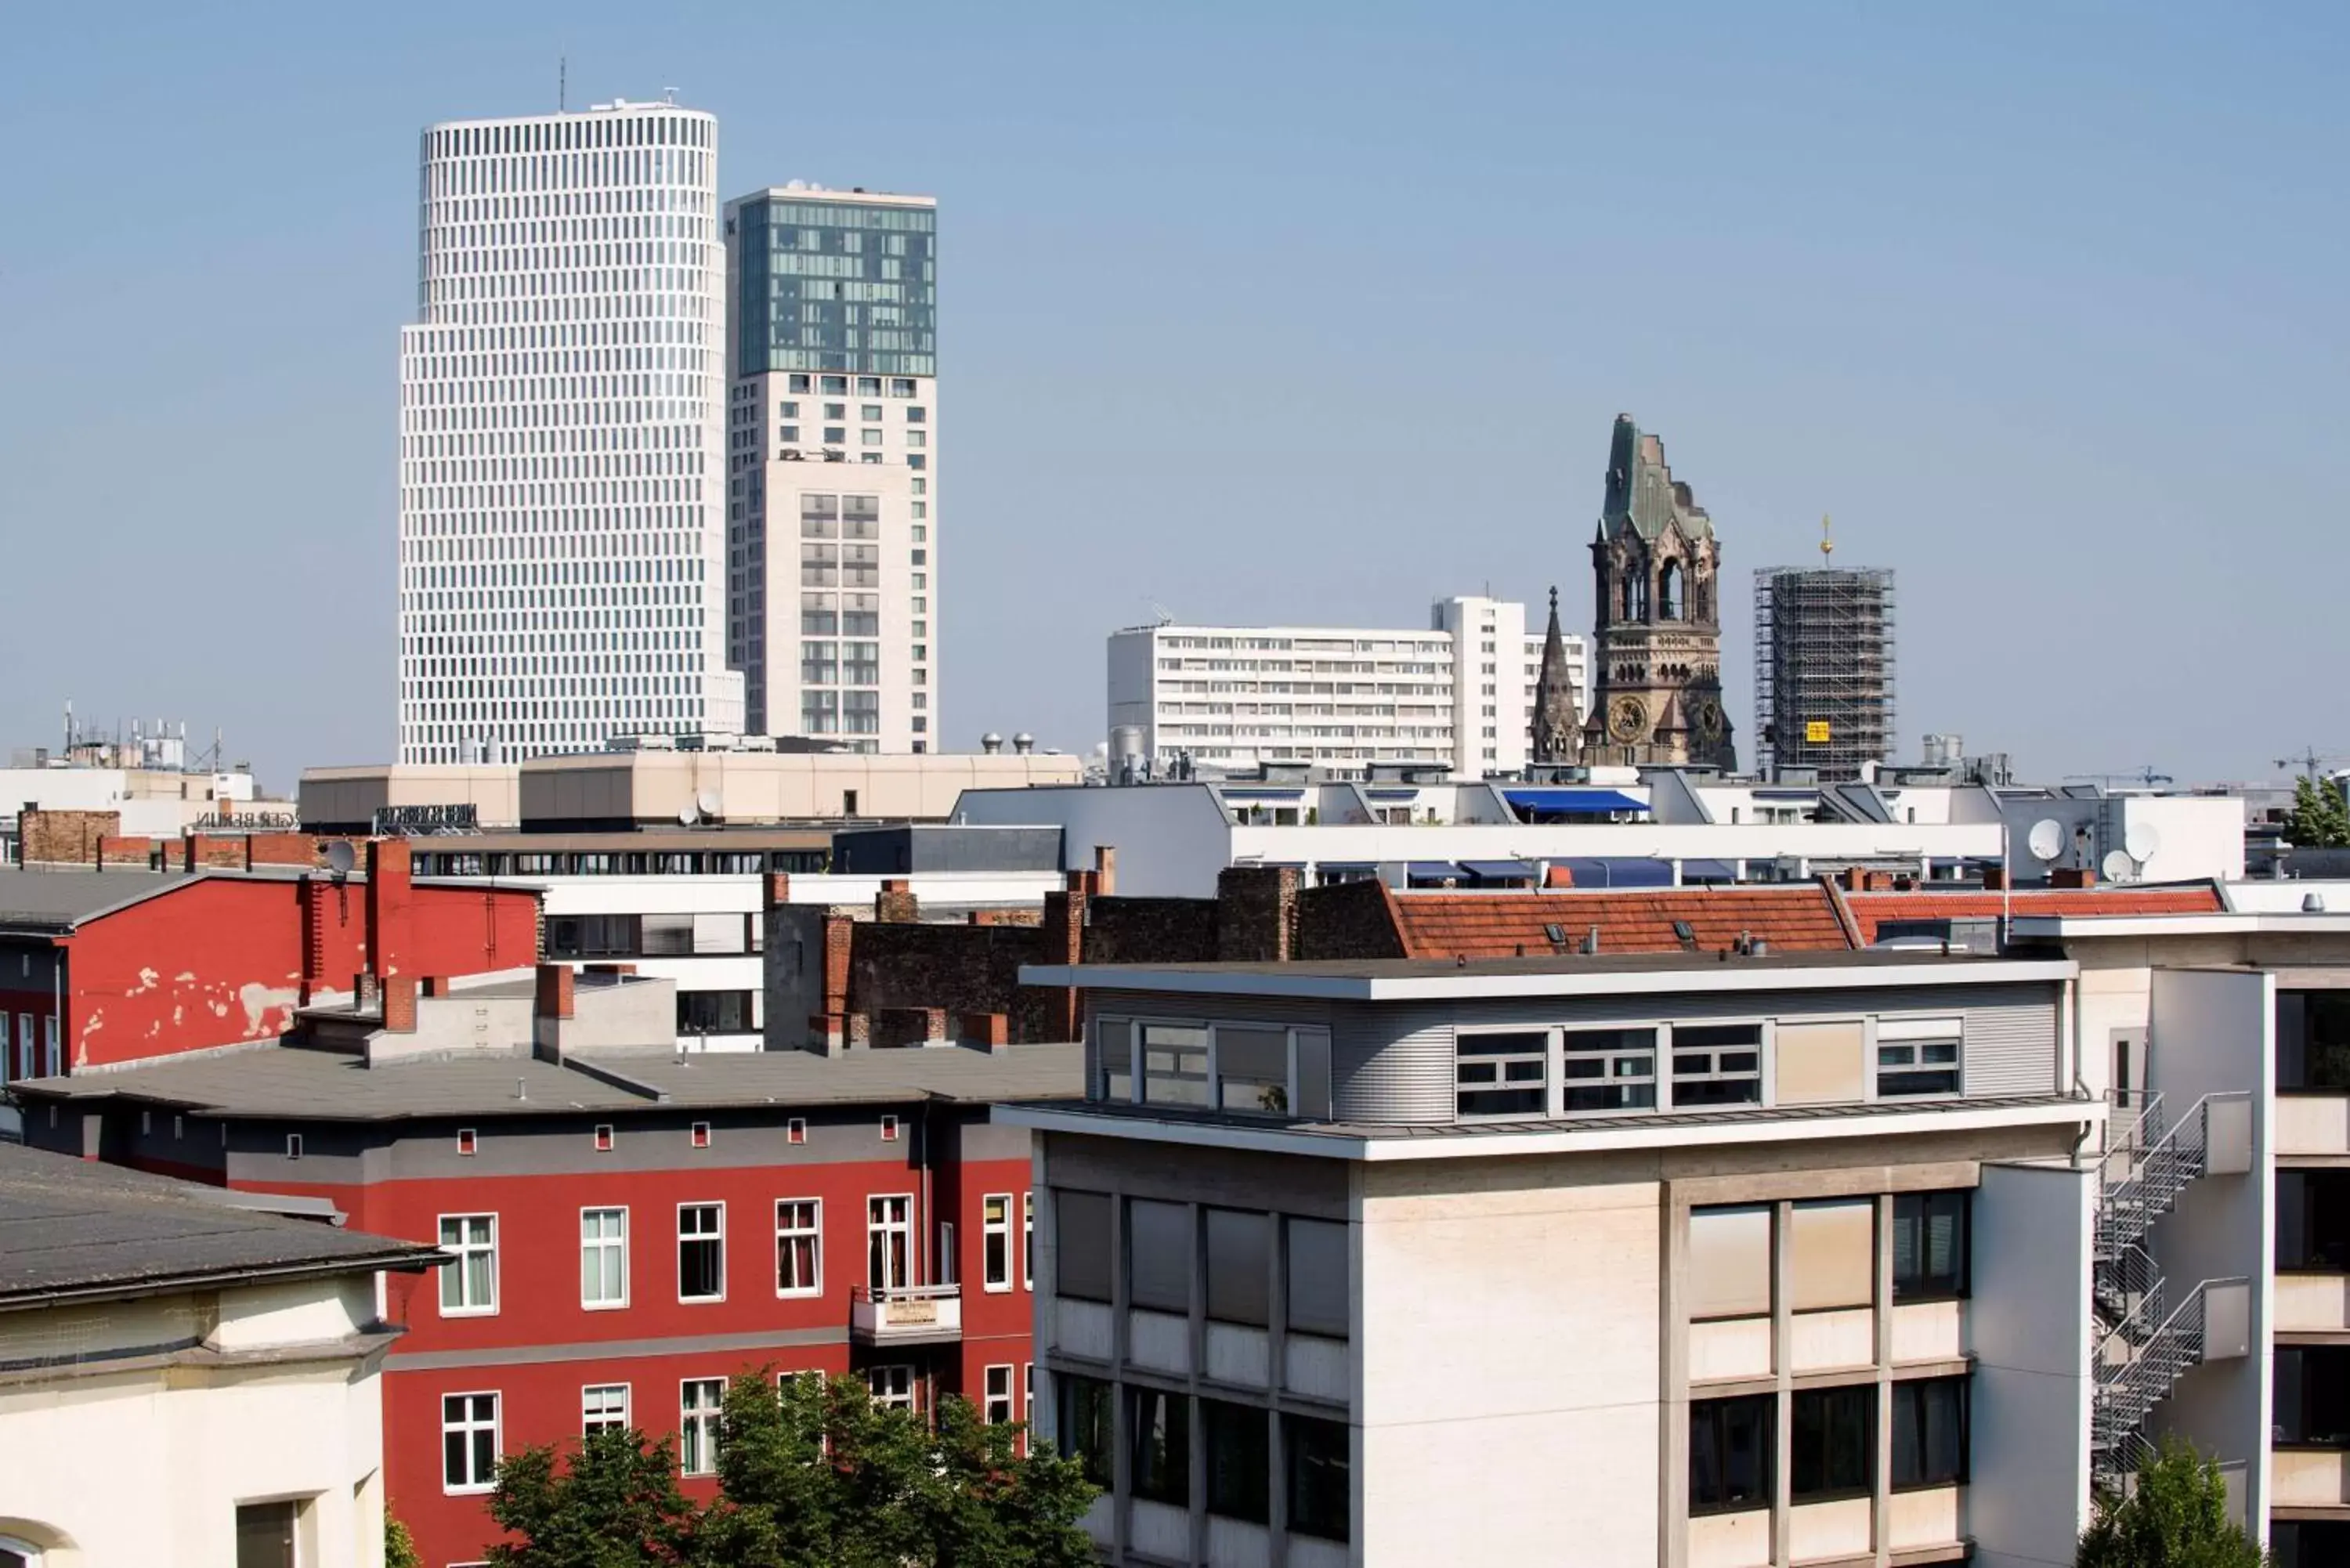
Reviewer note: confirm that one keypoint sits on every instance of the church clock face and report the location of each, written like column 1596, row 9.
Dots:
column 1708, row 719
column 1627, row 717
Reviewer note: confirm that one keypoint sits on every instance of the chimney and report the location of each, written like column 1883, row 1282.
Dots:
column 988, row 1032
column 556, row 997
column 1256, row 914
column 388, row 898
column 1105, row 869
column 779, row 890
column 895, row 904
column 1558, row 876
column 400, row 1003
column 1994, row 878
column 434, row 985
column 2071, row 877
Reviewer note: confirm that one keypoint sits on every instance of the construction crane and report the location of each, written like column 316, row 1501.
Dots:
column 2145, row 777
column 2313, row 764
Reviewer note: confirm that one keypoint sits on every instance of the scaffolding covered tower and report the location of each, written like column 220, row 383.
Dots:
column 1824, row 670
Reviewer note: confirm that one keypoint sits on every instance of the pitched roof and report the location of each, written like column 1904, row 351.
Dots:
column 1801, row 918
column 75, row 1228
column 1872, row 910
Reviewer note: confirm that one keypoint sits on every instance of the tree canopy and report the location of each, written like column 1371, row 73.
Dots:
column 2175, row 1517
column 2320, row 817
column 811, row 1474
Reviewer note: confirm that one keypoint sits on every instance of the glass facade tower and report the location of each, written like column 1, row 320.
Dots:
column 832, row 450
column 560, row 534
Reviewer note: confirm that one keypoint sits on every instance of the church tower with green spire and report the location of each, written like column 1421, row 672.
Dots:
column 1656, row 646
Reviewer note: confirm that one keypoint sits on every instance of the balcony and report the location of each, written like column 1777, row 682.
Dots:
column 906, row 1314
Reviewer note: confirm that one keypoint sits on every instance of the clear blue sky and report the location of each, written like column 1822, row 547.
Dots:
column 1308, row 311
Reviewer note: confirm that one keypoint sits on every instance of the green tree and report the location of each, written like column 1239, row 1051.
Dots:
column 613, row 1501
column 2320, row 817
column 814, row 1474
column 811, row 1474
column 398, row 1546
column 2176, row 1517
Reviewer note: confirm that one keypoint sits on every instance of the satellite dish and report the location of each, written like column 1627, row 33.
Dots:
column 2047, row 839
column 341, row 858
column 685, row 817
column 2142, row 841
column 707, row 802
column 2120, row 866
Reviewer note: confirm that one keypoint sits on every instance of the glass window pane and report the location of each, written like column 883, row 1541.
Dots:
column 1319, row 1278
column 1239, row 1266
column 1239, row 1455
column 1159, row 1460
column 1082, row 1244
column 1159, row 1255
column 1320, row 1477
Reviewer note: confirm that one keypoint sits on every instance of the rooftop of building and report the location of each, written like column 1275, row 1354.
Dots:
column 59, row 897
column 77, row 1230
column 1581, row 1134
column 1497, row 925
column 1551, row 974
column 287, row 1083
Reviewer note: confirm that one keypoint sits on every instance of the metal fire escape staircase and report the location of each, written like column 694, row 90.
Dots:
column 2141, row 1341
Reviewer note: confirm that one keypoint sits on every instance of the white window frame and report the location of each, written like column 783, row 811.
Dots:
column 619, row 1245
column 693, row 1418
column 460, row 1251
column 587, row 1423
column 1028, row 1240
column 813, row 1232
column 1913, row 1032
column 469, row 1426
column 990, row 1399
column 1668, row 1042
column 718, row 1236
column 904, row 1228
column 896, row 1374
column 1544, row 1087
column 996, row 1231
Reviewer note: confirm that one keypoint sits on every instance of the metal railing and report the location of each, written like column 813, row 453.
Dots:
column 2140, row 1343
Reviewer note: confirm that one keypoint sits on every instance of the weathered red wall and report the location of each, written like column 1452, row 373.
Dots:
column 218, row 961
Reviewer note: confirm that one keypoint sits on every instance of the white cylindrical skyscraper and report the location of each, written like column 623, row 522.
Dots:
column 562, row 547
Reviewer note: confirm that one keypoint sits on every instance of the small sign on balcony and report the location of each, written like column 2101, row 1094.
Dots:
column 913, row 1314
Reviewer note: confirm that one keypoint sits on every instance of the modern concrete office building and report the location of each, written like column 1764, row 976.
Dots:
column 1701, row 1261
column 1228, row 699
column 560, row 536
column 832, row 548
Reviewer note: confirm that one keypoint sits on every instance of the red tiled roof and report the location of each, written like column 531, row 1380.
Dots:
column 1871, row 909
column 1506, row 924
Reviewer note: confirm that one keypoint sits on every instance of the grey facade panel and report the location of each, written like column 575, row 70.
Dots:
column 1393, row 1062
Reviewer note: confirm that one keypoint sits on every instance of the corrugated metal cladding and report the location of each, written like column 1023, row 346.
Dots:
column 1393, row 1062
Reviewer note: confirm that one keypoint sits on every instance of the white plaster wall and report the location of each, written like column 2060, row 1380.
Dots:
column 190, row 1444
column 2028, row 1499
column 1522, row 1406
column 303, row 1311
column 2213, row 1031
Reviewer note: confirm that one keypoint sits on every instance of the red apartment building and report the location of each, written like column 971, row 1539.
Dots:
column 629, row 1228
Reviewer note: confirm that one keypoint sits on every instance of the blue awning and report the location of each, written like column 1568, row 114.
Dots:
column 1709, row 871
column 1434, row 871
column 1585, row 801
column 1619, row 873
column 1499, row 870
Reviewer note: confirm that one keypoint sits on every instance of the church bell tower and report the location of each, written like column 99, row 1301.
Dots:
column 1657, row 633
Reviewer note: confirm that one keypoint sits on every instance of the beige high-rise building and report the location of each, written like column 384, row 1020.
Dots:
column 832, row 441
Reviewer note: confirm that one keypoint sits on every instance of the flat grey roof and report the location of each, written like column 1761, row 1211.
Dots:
column 1580, row 1134
column 292, row 1083
column 1554, row 974
column 66, row 896
column 73, row 1228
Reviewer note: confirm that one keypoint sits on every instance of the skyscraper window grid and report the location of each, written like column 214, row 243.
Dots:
column 560, row 541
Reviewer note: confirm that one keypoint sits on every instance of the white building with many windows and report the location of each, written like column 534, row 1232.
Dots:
column 1456, row 695
column 832, row 443
column 560, row 543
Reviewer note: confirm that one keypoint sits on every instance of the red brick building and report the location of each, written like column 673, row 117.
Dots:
column 631, row 1228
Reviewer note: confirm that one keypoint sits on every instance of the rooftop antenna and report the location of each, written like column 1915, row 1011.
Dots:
column 562, row 83
column 1827, row 541
column 669, row 96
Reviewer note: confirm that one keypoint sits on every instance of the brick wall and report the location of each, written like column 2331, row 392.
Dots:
column 1150, row 931
column 1256, row 914
column 1348, row 921
column 65, row 837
